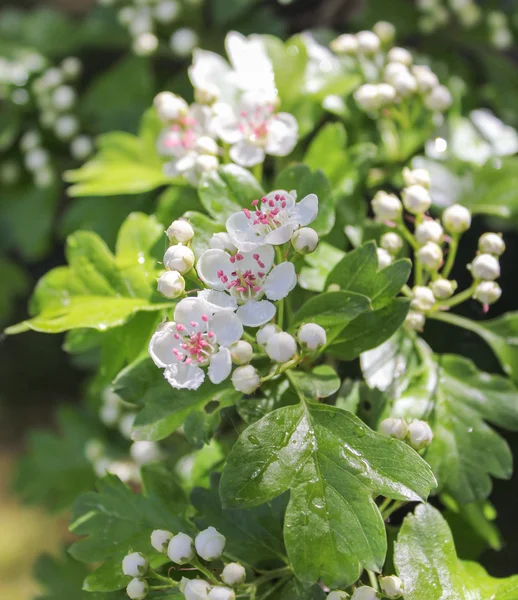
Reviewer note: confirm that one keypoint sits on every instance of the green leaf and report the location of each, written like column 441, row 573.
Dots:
column 321, row 263
column 321, row 382
column 228, row 190
column 332, row 309
column 115, row 520
column 327, row 152
column 205, row 228
column 296, row 590
column 457, row 398
column 164, row 408
column 333, row 465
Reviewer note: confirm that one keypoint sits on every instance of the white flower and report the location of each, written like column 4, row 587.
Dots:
column 367, row 97
column 206, row 95
column 485, row 267
column 456, row 218
column 66, row 127
column 135, row 564
column 170, row 107
column 400, row 55
column 222, row 241
column 416, row 177
column 391, row 242
column 71, row 67
column 179, row 258
column 439, row 99
column 181, row 549
column 396, row 428
column 337, row 595
column 36, row 159
column 391, row 586
column 233, row 574
column 491, row 243
column 63, row 97
column 305, row 240
column 386, row 207
column 415, row 320
column 264, row 334
column 210, row 544
column 145, row 453
column 126, row 424
column 368, row 42
column 384, row 258
column 160, row 539
column 166, row 11
column 416, row 199
column 183, row 41
column 241, row 352
column 487, row 292
column 181, row 231
column 247, row 277
column 365, row 593
column 443, row 288
column 429, row 231
column 425, row 77
column 281, row 347
column 246, row 379
column 81, row 147
column 347, row 43
column 222, row 593
column 422, row 298
column 420, row 434
column 430, row 256
column 312, row 336
column 196, row 589
column 30, row 140
column 385, row 31
column 171, row 284
column 94, row 450
column 137, row 589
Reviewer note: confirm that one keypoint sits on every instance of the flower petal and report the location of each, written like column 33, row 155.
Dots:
column 281, row 280
column 263, row 255
column 280, row 197
column 209, row 69
column 210, row 263
column 217, row 301
column 184, row 377
column 256, row 313
column 281, row 235
column 242, row 234
column 282, row 135
column 191, row 310
column 246, row 154
column 220, row 366
column 227, row 327
column 228, row 127
column 306, row 211
column 162, row 344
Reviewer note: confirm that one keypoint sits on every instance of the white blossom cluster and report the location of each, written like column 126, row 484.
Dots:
column 418, row 434
column 500, row 33
column 390, row 76
column 243, row 274
column 436, row 14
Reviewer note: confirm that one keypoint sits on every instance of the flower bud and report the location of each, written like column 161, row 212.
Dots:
column 416, row 177
column 425, row 77
column 368, row 42
column 137, row 589
column 391, row 242
column 429, row 231
column 233, row 574
column 281, row 347
column 438, row 99
column 485, row 267
column 385, row 31
column 430, row 256
column 179, row 258
column 94, row 450
column 145, row 44
column 160, row 539
column 241, row 352
column 208, row 94
column 386, row 93
column 196, row 589
column 171, row 284
column 393, row 70
column 346, row 43
column 312, row 336
column 391, row 586
column 415, row 320
column 384, row 258
column 183, row 41
column 420, row 434
column 222, row 593
column 487, row 292
column 396, row 428
column 422, row 298
column 337, row 595
column 367, row 97
column 210, row 544
column 416, row 199
column 145, row 453
column 63, row 97
column 181, row 549
column 265, row 333
column 443, row 288
column 456, row 218
column 206, row 145
column 81, row 147
column 222, row 241
column 206, row 163
column 491, row 243
column 404, row 83
column 181, row 231
column 71, row 67
column 170, row 107
column 305, row 240
column 365, row 592
column 386, row 207
column 36, row 159
column 400, row 55
column 135, row 564
column 246, row 379
column 30, row 140
column 66, row 127
column 166, row 11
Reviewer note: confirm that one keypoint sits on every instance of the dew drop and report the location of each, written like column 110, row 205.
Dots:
column 359, row 430
column 470, row 429
column 253, row 439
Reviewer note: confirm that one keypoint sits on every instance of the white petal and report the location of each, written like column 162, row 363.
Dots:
column 191, row 310
column 280, row 281
column 210, row 262
column 217, row 301
column 281, row 235
column 256, row 313
column 246, row 154
column 265, row 255
column 162, row 345
column 242, row 234
column 227, row 327
column 208, row 68
column 228, row 128
column 282, row 134
column 220, row 366
column 184, row 377
column 306, row 211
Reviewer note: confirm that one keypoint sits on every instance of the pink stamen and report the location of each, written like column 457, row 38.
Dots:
column 232, row 259
column 194, row 324
column 210, row 334
column 247, row 213
column 255, row 202
column 205, row 318
column 180, row 327
column 239, row 256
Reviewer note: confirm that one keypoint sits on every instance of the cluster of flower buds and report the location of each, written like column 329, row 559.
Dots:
column 418, row 434
column 114, row 412
column 390, row 77
column 435, row 14
column 500, row 33
column 485, row 268
column 149, row 21
column 178, row 259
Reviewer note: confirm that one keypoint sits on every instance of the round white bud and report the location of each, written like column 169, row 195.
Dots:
column 135, row 564
column 233, row 574
column 141, row 22
column 491, row 243
column 222, row 593
column 66, row 127
column 109, row 414
column 365, row 592
column 416, row 199
column 305, row 240
column 171, row 284
column 456, row 218
column 265, row 333
column 210, row 544
column 281, row 347
column 94, row 450
column 394, row 70
column 196, row 589
column 487, row 292
column 386, row 93
column 160, row 539
column 44, row 177
column 241, row 352
column 183, row 41
column 422, row 298
column 396, row 428
column 391, row 586
column 391, row 242
column 337, row 595
column 312, row 336
column 137, row 589
column 347, row 43
column 179, row 258
column 415, row 320
column 71, row 67
column 386, row 207
column 145, row 453
column 420, row 434
column 425, row 77
column 81, row 147
column 416, row 177
column 400, row 55
column 368, row 42
column 166, row 11
column 404, row 83
column 430, row 256
column 443, row 288
column 206, row 163
column 485, row 267
column 126, row 424
column 367, row 97
column 181, row 231
column 145, row 44
column 181, row 549
column 208, row 94
column 385, row 31
column 126, row 15
column 222, row 241
column 63, row 97
column 36, row 159
column 384, row 258
column 52, row 77
column 206, row 145
column 170, row 107
column 429, row 231
column 246, row 379
column 30, row 140
column 439, row 99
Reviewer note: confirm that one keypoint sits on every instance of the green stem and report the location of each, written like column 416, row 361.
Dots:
column 407, row 291
column 226, row 153
column 283, row 368
column 258, row 172
column 418, row 271
column 405, row 232
column 384, row 504
column 248, row 337
column 373, row 580
column 458, row 298
column 280, row 310
column 156, row 575
column 397, row 505
column 277, row 573
column 452, row 253
column 162, row 587
column 207, row 572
